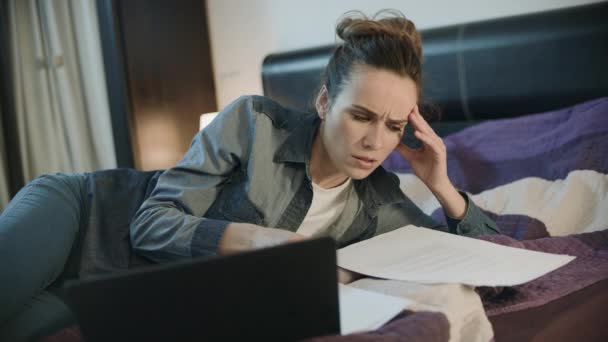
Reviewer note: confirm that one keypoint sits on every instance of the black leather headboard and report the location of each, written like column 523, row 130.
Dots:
column 484, row 70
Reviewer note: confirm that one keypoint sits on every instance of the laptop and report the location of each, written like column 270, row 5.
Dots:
column 282, row 293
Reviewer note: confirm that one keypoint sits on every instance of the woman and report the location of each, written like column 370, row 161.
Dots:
column 261, row 175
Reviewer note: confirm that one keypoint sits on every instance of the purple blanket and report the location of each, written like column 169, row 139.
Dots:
column 548, row 145
column 410, row 326
column 589, row 267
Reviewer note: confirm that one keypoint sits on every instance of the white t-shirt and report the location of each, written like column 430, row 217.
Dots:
column 326, row 207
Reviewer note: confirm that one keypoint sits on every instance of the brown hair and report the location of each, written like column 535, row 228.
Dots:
column 387, row 41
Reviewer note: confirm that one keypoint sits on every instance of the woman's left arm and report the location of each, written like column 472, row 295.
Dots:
column 454, row 205
column 429, row 163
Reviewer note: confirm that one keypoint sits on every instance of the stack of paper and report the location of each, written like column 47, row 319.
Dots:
column 422, row 255
column 362, row 310
column 427, row 256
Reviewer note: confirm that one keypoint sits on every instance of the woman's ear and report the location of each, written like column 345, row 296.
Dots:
column 321, row 104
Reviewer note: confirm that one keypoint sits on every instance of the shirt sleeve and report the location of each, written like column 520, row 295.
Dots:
column 170, row 225
column 474, row 222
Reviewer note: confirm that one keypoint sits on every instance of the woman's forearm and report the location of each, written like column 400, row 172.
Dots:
column 452, row 202
column 237, row 237
column 240, row 237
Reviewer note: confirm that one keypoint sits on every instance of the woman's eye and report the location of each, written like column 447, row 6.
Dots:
column 360, row 118
column 395, row 128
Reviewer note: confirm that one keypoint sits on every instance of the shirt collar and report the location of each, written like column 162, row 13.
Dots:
column 296, row 148
column 378, row 189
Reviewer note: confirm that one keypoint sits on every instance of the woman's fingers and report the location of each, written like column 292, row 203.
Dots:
column 424, row 132
column 424, row 137
column 415, row 121
column 407, row 152
column 345, row 276
column 434, row 143
column 419, row 122
column 422, row 127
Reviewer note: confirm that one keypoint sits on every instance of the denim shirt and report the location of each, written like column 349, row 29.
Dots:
column 251, row 164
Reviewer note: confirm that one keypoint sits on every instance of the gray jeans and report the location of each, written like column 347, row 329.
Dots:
column 61, row 227
column 37, row 232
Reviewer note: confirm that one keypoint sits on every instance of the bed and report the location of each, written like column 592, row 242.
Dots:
column 524, row 116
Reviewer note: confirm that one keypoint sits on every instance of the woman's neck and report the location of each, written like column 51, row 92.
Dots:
column 322, row 170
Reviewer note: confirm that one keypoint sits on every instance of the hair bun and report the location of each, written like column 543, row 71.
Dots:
column 355, row 25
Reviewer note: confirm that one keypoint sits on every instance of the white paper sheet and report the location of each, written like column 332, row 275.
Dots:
column 460, row 304
column 362, row 310
column 428, row 256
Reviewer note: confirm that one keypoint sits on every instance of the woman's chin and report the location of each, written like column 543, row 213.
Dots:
column 359, row 173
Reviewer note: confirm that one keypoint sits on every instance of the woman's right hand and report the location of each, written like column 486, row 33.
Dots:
column 239, row 237
column 268, row 237
column 345, row 276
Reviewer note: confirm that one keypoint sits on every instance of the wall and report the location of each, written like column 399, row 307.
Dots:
column 243, row 32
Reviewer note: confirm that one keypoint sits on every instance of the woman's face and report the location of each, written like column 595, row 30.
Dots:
column 366, row 120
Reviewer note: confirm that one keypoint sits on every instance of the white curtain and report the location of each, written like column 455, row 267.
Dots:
column 61, row 102
column 4, row 193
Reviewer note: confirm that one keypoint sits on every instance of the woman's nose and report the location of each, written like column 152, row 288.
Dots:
column 373, row 139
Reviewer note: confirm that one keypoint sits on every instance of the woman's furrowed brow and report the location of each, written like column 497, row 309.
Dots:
column 372, row 113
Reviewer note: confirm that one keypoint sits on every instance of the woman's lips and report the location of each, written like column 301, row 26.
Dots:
column 364, row 162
